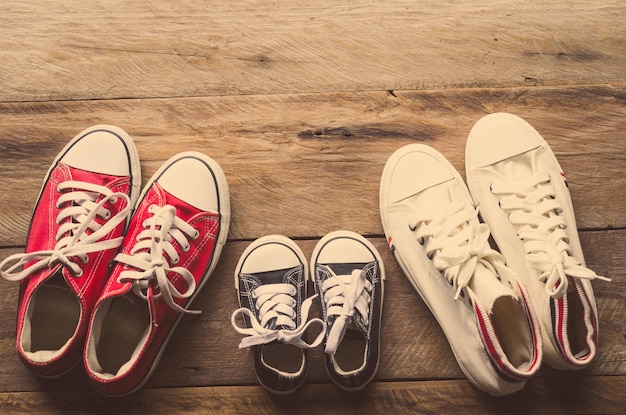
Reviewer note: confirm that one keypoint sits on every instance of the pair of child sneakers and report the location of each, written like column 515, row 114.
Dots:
column 500, row 320
column 108, row 272
column 271, row 281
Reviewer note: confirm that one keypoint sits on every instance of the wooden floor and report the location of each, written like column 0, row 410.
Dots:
column 302, row 103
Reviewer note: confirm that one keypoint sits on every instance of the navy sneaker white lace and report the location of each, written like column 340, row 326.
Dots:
column 348, row 274
column 433, row 230
column 515, row 178
column 271, row 282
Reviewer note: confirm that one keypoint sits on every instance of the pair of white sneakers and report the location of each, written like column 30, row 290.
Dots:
column 501, row 320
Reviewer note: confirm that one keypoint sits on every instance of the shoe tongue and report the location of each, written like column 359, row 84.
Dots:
column 356, row 325
column 57, row 280
column 522, row 165
column 487, row 288
column 90, row 177
column 280, row 276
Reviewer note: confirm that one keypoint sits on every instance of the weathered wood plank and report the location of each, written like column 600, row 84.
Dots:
column 204, row 351
column 121, row 49
column 588, row 395
column 306, row 164
column 302, row 104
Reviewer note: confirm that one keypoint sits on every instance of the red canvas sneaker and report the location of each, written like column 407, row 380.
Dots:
column 75, row 232
column 171, row 247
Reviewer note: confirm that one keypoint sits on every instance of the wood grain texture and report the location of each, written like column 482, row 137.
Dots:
column 119, row 49
column 302, row 103
column 306, row 164
column 602, row 395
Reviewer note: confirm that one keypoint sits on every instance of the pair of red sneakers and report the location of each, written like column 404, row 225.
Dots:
column 108, row 272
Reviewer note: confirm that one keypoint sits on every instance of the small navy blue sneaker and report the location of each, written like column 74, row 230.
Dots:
column 271, row 281
column 348, row 274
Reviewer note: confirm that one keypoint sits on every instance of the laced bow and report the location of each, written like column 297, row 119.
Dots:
column 275, row 305
column 147, row 257
column 79, row 233
column 343, row 295
column 536, row 214
column 457, row 242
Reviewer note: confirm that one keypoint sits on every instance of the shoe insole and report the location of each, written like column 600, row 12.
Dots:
column 123, row 329
column 350, row 354
column 283, row 357
column 54, row 316
column 511, row 327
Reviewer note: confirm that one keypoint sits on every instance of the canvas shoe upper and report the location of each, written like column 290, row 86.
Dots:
column 515, row 178
column 271, row 283
column 433, row 230
column 348, row 274
column 172, row 245
column 75, row 231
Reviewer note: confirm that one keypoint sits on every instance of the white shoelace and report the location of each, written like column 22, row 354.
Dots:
column 457, row 242
column 146, row 256
column 79, row 234
column 536, row 215
column 343, row 295
column 276, row 302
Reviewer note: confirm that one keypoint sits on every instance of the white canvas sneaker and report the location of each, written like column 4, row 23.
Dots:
column 516, row 180
column 433, row 230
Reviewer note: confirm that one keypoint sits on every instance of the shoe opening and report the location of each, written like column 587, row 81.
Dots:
column 576, row 328
column 511, row 327
column 350, row 354
column 51, row 320
column 284, row 358
column 119, row 330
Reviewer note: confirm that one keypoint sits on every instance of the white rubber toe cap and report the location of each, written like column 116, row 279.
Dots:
column 416, row 168
column 100, row 149
column 271, row 253
column 182, row 178
column 499, row 137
